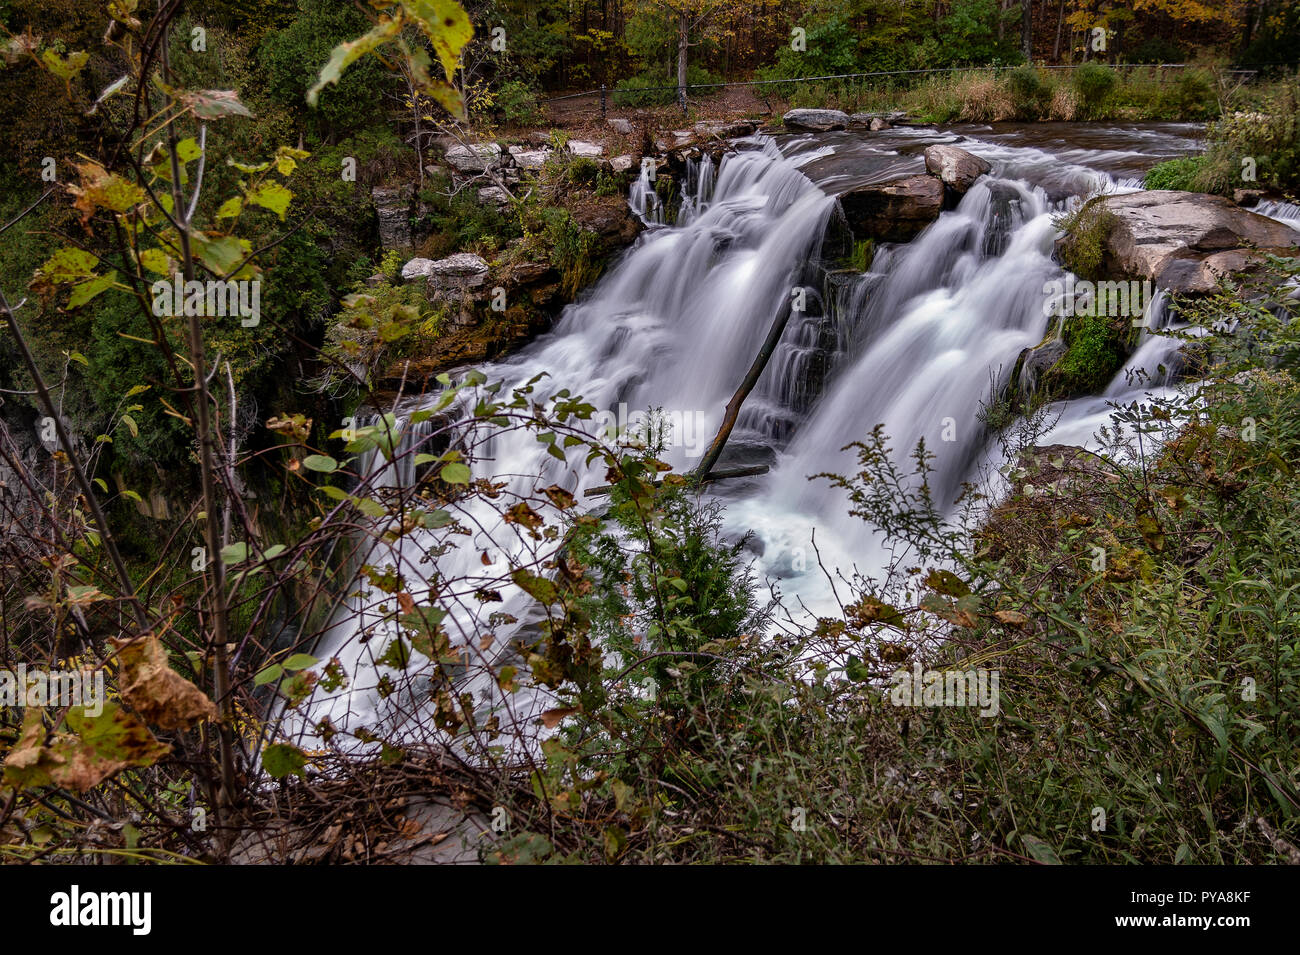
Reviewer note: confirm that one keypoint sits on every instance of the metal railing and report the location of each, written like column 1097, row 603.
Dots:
column 604, row 91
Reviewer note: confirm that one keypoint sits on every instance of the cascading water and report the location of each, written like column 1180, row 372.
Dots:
column 914, row 344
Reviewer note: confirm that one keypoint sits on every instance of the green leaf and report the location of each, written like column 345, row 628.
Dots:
column 274, row 551
column 433, row 520
column 369, row 507
column 320, row 462
column 67, row 67
column 282, row 759
column 214, row 104
column 231, row 207
column 300, row 661
column 187, row 150
column 271, row 195
column 446, row 25
column 269, row 675
column 1039, row 850
column 455, row 473
column 539, row 588
column 156, row 260
column 85, row 291
column 349, row 52
column 68, row 264
column 221, row 255
column 131, row 425
column 235, row 553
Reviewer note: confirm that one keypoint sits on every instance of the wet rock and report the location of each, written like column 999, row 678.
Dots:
column 878, row 124
column 955, row 166
column 726, row 130
column 1187, row 241
column 621, row 163
column 1247, row 198
column 1035, row 362
column 474, row 158
column 815, row 120
column 893, row 211
column 868, row 120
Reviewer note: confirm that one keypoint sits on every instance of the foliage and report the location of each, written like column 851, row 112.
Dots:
column 1083, row 249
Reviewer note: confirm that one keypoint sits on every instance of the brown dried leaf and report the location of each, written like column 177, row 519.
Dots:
column 157, row 692
column 552, row 718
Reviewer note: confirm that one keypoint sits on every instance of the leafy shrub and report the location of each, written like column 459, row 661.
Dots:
column 1086, row 231
column 644, row 89
column 1179, row 173
column 518, row 105
column 583, row 171
column 1094, row 83
column 1191, row 96
column 1029, row 91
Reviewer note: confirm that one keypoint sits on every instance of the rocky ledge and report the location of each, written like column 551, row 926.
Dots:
column 1182, row 241
column 897, row 210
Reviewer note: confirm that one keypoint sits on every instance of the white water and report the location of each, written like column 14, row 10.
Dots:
column 912, row 344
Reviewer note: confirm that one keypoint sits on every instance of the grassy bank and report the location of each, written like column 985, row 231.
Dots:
column 1138, row 607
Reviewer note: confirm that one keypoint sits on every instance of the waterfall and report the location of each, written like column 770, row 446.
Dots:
column 914, row 343
column 674, row 326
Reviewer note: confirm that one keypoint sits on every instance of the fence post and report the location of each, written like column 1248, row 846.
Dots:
column 602, row 100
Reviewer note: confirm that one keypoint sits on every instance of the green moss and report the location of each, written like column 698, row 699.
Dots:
column 1095, row 354
column 1084, row 249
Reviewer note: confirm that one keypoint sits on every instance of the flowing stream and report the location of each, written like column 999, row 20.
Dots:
column 915, row 343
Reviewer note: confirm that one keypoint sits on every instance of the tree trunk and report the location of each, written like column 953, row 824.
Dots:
column 1027, row 29
column 683, row 30
column 1060, row 22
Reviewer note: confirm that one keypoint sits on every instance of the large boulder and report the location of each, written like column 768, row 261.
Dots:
column 416, row 269
column 464, row 270
column 530, row 159
column 585, row 149
column 893, row 211
column 876, row 120
column 815, row 120
column 474, row 158
column 607, row 216
column 955, row 166
column 1186, row 241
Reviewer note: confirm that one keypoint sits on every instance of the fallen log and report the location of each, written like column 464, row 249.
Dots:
column 701, row 473
column 715, row 476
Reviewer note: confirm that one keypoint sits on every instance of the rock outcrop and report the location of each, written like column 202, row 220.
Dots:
column 474, row 158
column 815, row 120
column 1186, row 241
column 955, row 166
column 393, row 208
column 893, row 211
